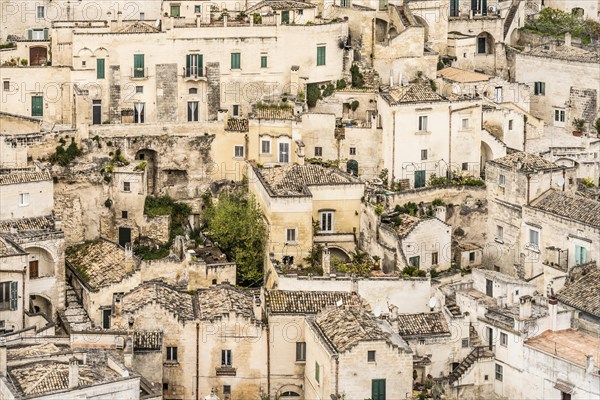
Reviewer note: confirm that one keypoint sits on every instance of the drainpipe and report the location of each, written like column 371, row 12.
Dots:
column 393, row 147
column 337, row 376
column 524, row 132
column 449, row 142
column 528, row 187
column 24, row 272
column 268, row 361
column 197, row 360
column 564, row 182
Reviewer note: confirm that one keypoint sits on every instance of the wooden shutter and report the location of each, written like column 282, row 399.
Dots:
column 37, row 106
column 45, row 33
column 200, row 65
column 14, row 287
column 29, row 34
column 188, row 59
column 100, row 68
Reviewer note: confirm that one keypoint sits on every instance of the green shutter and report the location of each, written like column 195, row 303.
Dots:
column 235, row 60
column 45, row 33
column 285, row 17
column 188, row 58
column 29, row 34
column 100, row 68
column 321, row 55
column 14, row 295
column 378, row 389
column 263, row 61
column 200, row 65
column 138, row 66
column 37, row 106
column 317, row 373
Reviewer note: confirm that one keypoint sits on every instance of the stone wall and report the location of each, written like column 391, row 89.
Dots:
column 213, row 76
column 156, row 228
column 166, row 92
column 115, row 94
column 583, row 104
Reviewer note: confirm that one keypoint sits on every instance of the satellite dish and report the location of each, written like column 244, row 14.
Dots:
column 432, row 302
column 377, row 311
column 560, row 181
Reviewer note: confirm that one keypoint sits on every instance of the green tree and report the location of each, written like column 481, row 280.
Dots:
column 236, row 223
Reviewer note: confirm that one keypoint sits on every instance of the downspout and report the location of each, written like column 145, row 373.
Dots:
column 564, row 182
column 24, row 272
column 268, row 361
column 524, row 132
column 528, row 187
column 393, row 147
column 337, row 375
column 197, row 360
column 449, row 167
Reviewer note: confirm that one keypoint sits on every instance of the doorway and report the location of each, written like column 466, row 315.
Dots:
column 124, row 236
column 96, row 112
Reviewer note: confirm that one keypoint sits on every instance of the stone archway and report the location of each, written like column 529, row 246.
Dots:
column 41, row 304
column 425, row 26
column 41, row 262
column 381, row 28
column 151, row 158
column 485, row 44
column 486, row 155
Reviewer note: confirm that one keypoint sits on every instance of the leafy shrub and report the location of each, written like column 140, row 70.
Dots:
column 64, row 156
column 313, row 94
column 340, row 84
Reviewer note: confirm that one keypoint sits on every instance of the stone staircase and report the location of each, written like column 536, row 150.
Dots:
column 510, row 17
column 453, row 308
column 478, row 352
column 74, row 314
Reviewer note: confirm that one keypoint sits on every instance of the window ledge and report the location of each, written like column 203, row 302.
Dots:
column 422, row 133
column 171, row 363
column 238, row 158
column 301, row 362
column 535, row 249
column 499, row 241
column 194, row 78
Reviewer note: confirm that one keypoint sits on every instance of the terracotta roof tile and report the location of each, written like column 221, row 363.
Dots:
column 412, row 93
column 281, row 5
column 217, row 301
column 422, row 324
column 461, row 75
column 568, row 53
column 577, row 208
column 176, row 302
column 27, row 224
column 24, row 177
column 301, row 302
column 525, row 162
column 583, row 294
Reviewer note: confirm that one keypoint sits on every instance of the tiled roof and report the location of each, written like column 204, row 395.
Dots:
column 570, row 206
column 100, row 262
column 525, row 162
column 138, row 27
column 304, row 302
column 407, row 224
column 569, row 344
column 46, row 377
column 345, row 327
column 281, row 5
column 292, row 180
column 461, row 75
column 567, row 53
column 422, row 324
column 24, row 177
column 583, row 294
column 237, row 125
column 274, row 113
column 35, row 350
column 412, row 93
column 28, row 224
column 219, row 300
column 176, row 302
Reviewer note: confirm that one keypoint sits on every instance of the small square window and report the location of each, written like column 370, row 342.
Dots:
column 235, row 61
column 265, row 147
column 497, row 268
column 238, row 151
column 290, row 235
column 499, row 233
column 83, row 63
column 471, row 257
column 318, row 152
column 41, row 12
column 371, row 356
column 197, row 9
column 465, row 343
column 434, row 258
column 142, row 16
column 510, row 124
column 171, row 353
column 139, row 89
column 499, row 372
column 423, row 123
column 503, row 339
column 486, row 377
column 352, row 151
column 423, row 155
column 300, row 351
column 236, row 110
column 6, row 85
column 24, row 199
column 465, row 166
column 226, row 358
column 127, row 186
column 165, row 386
column 501, row 180
column 465, row 123
column 226, row 389
column 263, row 61
column 124, row 214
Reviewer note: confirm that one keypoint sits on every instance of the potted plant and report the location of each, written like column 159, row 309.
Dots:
column 579, row 124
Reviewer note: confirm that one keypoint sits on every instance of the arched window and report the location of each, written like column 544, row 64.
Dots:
column 193, row 91
column 289, row 394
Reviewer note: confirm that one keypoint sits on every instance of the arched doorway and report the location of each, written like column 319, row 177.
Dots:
column 150, row 157
column 380, row 30
column 41, row 262
column 40, row 304
column 486, row 155
column 38, row 55
column 485, row 43
column 352, row 167
column 339, row 254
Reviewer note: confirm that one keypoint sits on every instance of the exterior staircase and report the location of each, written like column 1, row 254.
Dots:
column 478, row 352
column 74, row 316
column 453, row 308
column 510, row 17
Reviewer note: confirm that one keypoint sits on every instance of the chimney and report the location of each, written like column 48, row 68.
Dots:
column 3, row 357
column 110, row 21
column 392, row 79
column 326, row 261
column 525, row 307
column 440, row 213
column 128, row 354
column 258, row 315
column 567, row 39
column 198, row 20
column 73, row 373
column 589, row 364
column 225, row 20
column 553, row 311
column 119, row 20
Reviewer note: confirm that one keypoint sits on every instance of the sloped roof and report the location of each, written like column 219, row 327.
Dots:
column 219, row 300
column 413, row 93
column 292, row 180
column 24, row 177
column 577, row 208
column 567, row 53
column 281, row 5
column 526, row 162
column 583, row 294
column 304, row 302
column 28, row 224
column 176, row 302
column 138, row 27
column 422, row 324
column 461, row 75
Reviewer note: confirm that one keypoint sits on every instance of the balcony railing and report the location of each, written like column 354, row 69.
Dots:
column 139, row 73
column 193, row 73
column 225, row 371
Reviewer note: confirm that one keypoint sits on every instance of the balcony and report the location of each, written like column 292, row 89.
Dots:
column 194, row 74
column 333, row 237
column 225, row 370
column 139, row 73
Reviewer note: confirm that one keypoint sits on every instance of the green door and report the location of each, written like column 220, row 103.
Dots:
column 37, row 106
column 378, row 389
column 285, row 17
column 419, row 179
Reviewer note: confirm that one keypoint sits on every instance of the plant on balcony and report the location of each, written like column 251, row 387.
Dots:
column 587, row 182
column 313, row 94
column 256, row 18
column 357, row 77
column 578, row 124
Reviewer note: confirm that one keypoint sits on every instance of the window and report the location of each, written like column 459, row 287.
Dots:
column 139, row 89
column 539, row 88
column 317, row 373
column 171, row 353
column 6, row 85
column 320, row 55
column 138, row 66
column 265, row 146
column 510, row 124
column 423, row 123
column 300, row 351
column 345, row 3
column 290, row 235
column 175, row 10
column 226, row 389
column 127, row 186
column 284, row 152
column 499, row 233
column 471, row 257
column 499, row 372
column 37, row 106
column 197, row 9
column 235, row 61
column 194, row 65
column 83, row 63
column 352, row 151
column 498, row 94
column 41, row 12
column 580, row 255
column 106, row 318
column 423, row 154
column 24, row 199
column 192, row 111
column 263, row 61
column 226, row 358
column 318, row 152
column 559, row 117
column 138, row 113
column 414, row 261
column 465, row 166
column 124, row 214
column 481, row 45
column 371, row 356
column 465, row 123
column 9, row 295
column 37, row 34
column 285, row 17
column 501, row 180
column 326, row 221
column 434, row 258
column 465, row 343
column 165, row 386
column 100, row 68
column 503, row 339
column 238, row 151
column 534, row 238
column 300, row 12
column 193, row 91
column 236, row 110
column 142, row 16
